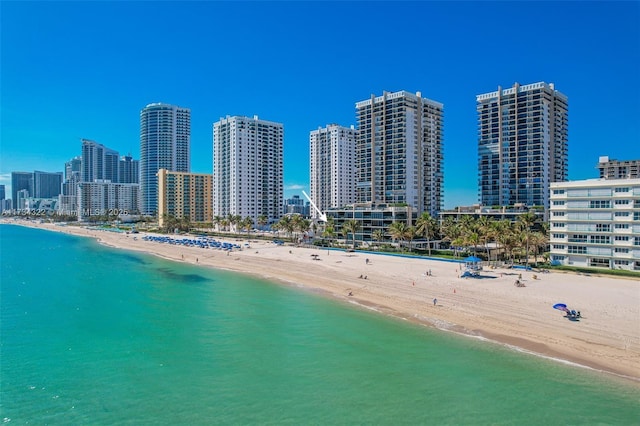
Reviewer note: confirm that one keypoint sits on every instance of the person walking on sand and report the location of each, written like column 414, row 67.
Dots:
column 435, row 302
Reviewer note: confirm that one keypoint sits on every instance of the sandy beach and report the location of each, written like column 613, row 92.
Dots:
column 606, row 338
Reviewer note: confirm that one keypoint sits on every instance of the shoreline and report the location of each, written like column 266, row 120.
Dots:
column 491, row 308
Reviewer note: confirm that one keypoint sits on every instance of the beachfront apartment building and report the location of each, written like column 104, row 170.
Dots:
column 614, row 169
column 98, row 162
column 165, row 143
column 248, row 168
column 596, row 223
column 522, row 144
column 332, row 152
column 372, row 218
column 399, row 151
column 185, row 196
column 128, row 170
column 105, row 198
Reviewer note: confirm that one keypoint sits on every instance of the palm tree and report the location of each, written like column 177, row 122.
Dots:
column 485, row 231
column 526, row 222
column 398, row 231
column 502, row 231
column 231, row 218
column 262, row 221
column 300, row 224
column 468, row 233
column 539, row 241
column 305, row 225
column 507, row 239
column 247, row 224
column 452, row 232
column 217, row 220
column 378, row 235
column 329, row 232
column 286, row 225
column 409, row 235
column 472, row 238
column 426, row 226
column 296, row 224
column 344, row 231
column 352, row 226
column 276, row 227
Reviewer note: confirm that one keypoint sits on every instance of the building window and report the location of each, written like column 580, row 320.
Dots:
column 558, row 247
column 621, row 226
column 621, row 250
column 600, row 239
column 621, row 214
column 558, row 236
column 558, row 191
column 621, row 202
column 577, row 249
column 624, row 189
column 621, row 238
column 602, row 227
column 599, row 262
column 601, row 204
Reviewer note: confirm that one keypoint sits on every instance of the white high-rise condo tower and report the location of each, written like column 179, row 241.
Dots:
column 399, row 151
column 332, row 167
column 522, row 144
column 165, row 143
column 248, row 168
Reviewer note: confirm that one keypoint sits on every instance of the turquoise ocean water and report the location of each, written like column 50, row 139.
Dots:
column 94, row 335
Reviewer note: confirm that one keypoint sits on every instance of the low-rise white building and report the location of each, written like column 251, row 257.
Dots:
column 596, row 223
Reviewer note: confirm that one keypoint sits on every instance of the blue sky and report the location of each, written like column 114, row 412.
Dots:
column 76, row 70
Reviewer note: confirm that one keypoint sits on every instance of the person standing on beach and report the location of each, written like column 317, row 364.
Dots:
column 435, row 302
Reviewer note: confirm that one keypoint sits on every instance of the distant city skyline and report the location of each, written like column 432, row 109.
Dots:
column 66, row 77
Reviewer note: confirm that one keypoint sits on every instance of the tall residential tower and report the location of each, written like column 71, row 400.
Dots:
column 98, row 162
column 248, row 168
column 522, row 144
column 332, row 167
column 165, row 141
column 399, row 151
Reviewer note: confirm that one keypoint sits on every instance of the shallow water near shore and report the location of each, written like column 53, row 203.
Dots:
column 94, row 335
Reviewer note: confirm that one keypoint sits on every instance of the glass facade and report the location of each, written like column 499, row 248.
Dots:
column 522, row 144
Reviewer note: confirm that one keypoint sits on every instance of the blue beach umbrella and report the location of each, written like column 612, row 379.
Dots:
column 560, row 306
column 472, row 259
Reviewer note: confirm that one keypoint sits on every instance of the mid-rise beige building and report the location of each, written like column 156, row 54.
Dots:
column 185, row 195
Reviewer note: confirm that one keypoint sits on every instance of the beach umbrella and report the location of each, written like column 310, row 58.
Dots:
column 560, row 306
column 472, row 259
